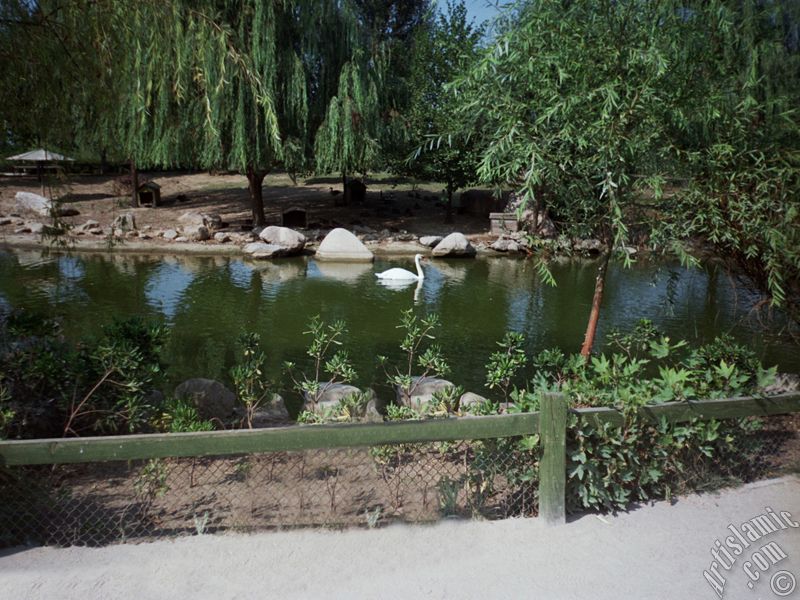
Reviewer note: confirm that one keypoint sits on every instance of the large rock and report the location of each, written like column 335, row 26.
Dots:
column 340, row 244
column 505, row 245
column 421, row 392
column 471, row 399
column 456, row 245
column 590, row 246
column 196, row 233
column 33, row 203
column 212, row 399
column 293, row 241
column 28, row 201
column 193, row 218
column 262, row 250
column 330, row 398
column 430, row 240
column 272, row 413
column 89, row 225
column 124, row 222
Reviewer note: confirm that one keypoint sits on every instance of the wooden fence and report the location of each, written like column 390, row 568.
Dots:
column 550, row 423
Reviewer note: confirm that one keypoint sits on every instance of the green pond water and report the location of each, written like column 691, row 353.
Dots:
column 208, row 301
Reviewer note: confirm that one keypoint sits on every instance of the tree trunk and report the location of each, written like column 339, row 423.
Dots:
column 536, row 205
column 594, row 315
column 40, row 174
column 255, row 181
column 134, row 184
column 448, row 216
column 103, row 162
column 345, row 190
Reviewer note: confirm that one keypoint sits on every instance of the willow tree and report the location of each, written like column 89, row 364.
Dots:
column 208, row 84
column 574, row 96
column 230, row 87
column 742, row 148
column 348, row 140
column 54, row 88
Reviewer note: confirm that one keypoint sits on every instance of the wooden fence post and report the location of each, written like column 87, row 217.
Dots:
column 553, row 465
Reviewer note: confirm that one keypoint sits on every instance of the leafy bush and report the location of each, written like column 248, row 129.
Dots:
column 179, row 415
column 337, row 365
column 95, row 386
column 248, row 376
column 504, row 365
column 418, row 330
column 351, row 408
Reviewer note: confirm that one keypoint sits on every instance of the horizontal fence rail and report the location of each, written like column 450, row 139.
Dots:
column 678, row 412
column 220, row 443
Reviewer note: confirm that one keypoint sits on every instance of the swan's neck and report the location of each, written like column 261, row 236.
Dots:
column 420, row 273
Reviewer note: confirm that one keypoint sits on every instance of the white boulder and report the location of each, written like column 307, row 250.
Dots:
column 421, row 391
column 33, row 203
column 262, row 250
column 430, row 240
column 341, row 244
column 456, row 245
column 293, row 241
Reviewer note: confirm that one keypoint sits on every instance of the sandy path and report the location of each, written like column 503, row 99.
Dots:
column 657, row 552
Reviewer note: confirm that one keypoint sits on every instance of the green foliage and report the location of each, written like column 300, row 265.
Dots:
column 179, row 415
column 152, row 481
column 97, row 386
column 598, row 109
column 610, row 467
column 347, row 141
column 248, row 376
column 327, row 359
column 504, row 365
column 418, row 332
column 350, row 409
column 444, row 48
column 7, row 413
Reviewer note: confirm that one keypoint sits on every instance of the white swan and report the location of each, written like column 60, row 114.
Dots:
column 397, row 274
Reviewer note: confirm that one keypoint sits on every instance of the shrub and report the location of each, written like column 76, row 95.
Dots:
column 94, row 386
column 429, row 358
column 325, row 338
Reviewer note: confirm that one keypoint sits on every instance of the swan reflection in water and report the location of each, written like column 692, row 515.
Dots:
column 399, row 285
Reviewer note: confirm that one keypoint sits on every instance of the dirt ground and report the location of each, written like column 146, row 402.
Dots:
column 393, row 204
column 651, row 552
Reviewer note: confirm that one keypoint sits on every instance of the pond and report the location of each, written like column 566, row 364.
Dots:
column 208, row 301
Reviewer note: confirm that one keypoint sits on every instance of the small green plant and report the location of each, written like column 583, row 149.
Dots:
column 448, row 496
column 351, row 408
column 7, row 413
column 248, row 376
column 373, row 517
column 444, row 401
column 504, row 365
column 180, row 415
column 200, row 523
column 418, row 331
column 151, row 483
column 325, row 338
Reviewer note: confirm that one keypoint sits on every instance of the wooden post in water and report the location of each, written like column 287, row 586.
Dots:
column 553, row 465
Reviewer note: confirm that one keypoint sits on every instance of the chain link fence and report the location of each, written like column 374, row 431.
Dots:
column 108, row 502
column 102, row 503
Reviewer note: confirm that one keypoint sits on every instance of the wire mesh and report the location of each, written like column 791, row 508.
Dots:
column 102, row 503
